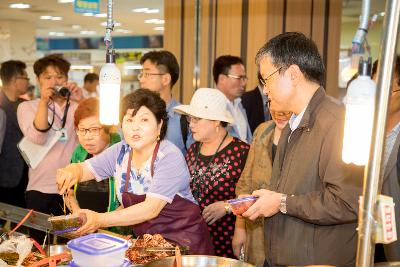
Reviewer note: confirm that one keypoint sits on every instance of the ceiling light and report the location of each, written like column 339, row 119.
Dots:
column 87, row 14
column 19, row 5
column 133, row 67
column 140, row 10
column 76, row 27
column 155, row 21
column 123, row 31
column 152, row 11
column 158, row 28
column 146, row 10
column 87, row 32
column 116, row 24
column 56, row 34
column 65, row 1
column 45, row 17
column 81, row 67
column 101, row 15
column 56, row 18
column 150, row 20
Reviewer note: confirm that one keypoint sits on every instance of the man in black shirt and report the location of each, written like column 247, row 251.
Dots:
column 13, row 170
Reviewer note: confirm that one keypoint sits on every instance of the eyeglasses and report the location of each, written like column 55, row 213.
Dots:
column 23, row 78
column 192, row 119
column 94, row 131
column 243, row 78
column 263, row 81
column 148, row 74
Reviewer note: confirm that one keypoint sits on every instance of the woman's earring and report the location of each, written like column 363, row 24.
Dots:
column 158, row 137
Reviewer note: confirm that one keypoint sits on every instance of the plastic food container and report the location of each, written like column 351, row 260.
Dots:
column 240, row 205
column 126, row 263
column 67, row 223
column 96, row 250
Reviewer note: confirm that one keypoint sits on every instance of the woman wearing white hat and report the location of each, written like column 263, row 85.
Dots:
column 215, row 162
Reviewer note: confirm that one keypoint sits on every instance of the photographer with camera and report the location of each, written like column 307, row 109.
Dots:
column 50, row 117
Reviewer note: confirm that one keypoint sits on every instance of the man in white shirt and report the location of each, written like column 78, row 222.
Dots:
column 90, row 83
column 230, row 78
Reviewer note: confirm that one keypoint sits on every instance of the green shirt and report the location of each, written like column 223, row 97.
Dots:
column 80, row 155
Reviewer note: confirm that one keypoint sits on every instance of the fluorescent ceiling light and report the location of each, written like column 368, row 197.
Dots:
column 140, row 10
column 45, row 17
column 87, row 14
column 76, row 27
column 65, row 1
column 56, row 34
column 155, row 21
column 101, row 15
column 81, row 67
column 123, row 31
column 87, row 32
column 158, row 28
column 133, row 67
column 50, row 18
column 146, row 10
column 152, row 11
column 116, row 24
column 20, row 5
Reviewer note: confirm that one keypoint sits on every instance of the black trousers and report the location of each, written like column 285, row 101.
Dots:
column 15, row 195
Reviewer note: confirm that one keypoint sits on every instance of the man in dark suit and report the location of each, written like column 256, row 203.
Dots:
column 255, row 104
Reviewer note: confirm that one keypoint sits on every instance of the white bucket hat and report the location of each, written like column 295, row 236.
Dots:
column 207, row 103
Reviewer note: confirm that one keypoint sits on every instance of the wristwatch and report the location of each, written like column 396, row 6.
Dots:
column 282, row 206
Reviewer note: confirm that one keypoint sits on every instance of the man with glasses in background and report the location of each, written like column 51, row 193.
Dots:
column 390, row 181
column 255, row 102
column 13, row 170
column 310, row 207
column 230, row 78
column 160, row 72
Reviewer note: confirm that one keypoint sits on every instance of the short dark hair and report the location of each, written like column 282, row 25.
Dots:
column 223, row 64
column 90, row 77
column 294, row 48
column 56, row 61
column 149, row 99
column 11, row 68
column 165, row 61
column 396, row 68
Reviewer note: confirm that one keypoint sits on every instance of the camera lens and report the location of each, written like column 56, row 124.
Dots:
column 62, row 91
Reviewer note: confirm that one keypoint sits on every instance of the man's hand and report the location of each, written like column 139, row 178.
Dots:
column 45, row 94
column 267, row 204
column 214, row 212
column 239, row 238
column 76, row 92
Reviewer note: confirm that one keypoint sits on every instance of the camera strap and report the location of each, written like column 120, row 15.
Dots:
column 63, row 119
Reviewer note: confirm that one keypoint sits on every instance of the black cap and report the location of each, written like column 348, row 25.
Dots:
column 110, row 56
column 365, row 67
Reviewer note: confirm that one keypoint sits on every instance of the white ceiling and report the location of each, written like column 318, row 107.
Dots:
column 134, row 22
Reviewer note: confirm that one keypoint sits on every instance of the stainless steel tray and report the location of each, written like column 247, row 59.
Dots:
column 199, row 261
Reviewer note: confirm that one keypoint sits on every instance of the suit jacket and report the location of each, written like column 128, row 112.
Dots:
column 253, row 104
column 391, row 187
